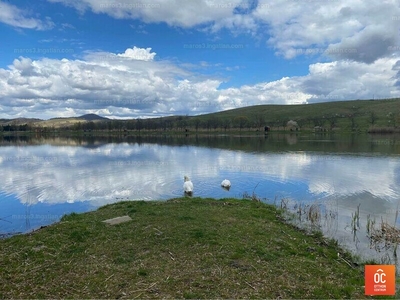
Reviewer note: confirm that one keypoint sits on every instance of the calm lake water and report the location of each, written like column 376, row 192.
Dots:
column 43, row 179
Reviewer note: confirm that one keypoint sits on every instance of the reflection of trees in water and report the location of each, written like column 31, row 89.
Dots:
column 274, row 142
column 291, row 139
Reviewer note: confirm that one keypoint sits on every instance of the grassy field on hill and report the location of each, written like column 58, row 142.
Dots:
column 353, row 115
column 181, row 248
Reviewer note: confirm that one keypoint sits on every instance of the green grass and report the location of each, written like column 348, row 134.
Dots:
column 181, row 248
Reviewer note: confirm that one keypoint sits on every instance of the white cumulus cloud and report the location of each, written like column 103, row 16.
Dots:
column 138, row 54
column 13, row 16
column 135, row 84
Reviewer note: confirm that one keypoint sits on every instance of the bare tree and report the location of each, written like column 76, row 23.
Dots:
column 372, row 117
column 259, row 120
column 196, row 122
column 332, row 122
column 241, row 121
column 227, row 124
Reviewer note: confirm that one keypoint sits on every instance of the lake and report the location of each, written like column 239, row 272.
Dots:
column 44, row 178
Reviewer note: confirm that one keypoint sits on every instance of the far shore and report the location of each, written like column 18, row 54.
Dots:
column 191, row 132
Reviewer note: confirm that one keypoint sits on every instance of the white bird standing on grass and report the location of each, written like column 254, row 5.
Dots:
column 226, row 184
column 187, row 186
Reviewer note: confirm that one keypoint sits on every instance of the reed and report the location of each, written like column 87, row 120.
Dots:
column 384, row 236
column 314, row 215
column 355, row 219
column 284, row 203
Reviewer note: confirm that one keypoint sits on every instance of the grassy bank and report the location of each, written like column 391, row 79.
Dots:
column 181, row 248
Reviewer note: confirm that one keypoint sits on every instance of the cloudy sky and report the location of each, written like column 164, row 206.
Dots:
column 136, row 58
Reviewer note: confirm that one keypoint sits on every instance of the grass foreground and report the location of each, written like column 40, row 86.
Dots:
column 180, row 248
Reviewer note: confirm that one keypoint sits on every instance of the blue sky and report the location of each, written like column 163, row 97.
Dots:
column 132, row 58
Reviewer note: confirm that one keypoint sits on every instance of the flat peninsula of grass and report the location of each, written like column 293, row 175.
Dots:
column 180, row 248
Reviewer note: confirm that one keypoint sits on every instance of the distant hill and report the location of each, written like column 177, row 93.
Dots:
column 66, row 122
column 92, row 117
column 19, row 121
column 36, row 121
column 275, row 112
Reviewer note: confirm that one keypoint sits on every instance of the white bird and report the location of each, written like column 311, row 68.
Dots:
column 187, row 186
column 226, row 184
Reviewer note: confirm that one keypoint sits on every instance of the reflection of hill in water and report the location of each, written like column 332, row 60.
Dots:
column 56, row 141
column 354, row 144
column 368, row 201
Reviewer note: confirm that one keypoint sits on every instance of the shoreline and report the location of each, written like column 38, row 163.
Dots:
column 213, row 133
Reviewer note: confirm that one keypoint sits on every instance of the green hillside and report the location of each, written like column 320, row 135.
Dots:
column 346, row 115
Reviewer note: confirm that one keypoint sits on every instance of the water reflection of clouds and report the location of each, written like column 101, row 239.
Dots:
column 130, row 171
column 332, row 174
column 352, row 175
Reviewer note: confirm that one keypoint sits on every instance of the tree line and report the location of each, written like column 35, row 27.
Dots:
column 205, row 123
